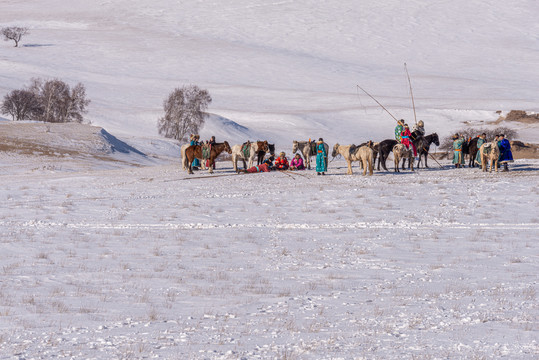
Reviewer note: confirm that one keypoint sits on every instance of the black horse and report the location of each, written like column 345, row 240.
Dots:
column 422, row 144
column 383, row 149
column 470, row 148
column 262, row 154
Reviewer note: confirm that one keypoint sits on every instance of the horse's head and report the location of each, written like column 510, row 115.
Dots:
column 262, row 145
column 227, row 147
column 370, row 144
column 295, row 146
column 335, row 150
column 435, row 139
column 271, row 149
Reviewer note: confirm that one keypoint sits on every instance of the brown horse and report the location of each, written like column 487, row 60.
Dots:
column 195, row 151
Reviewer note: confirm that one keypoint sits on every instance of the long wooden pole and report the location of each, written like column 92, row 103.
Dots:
column 411, row 92
column 372, row 97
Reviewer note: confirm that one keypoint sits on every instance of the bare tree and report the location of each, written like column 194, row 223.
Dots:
column 184, row 112
column 22, row 105
column 60, row 103
column 14, row 33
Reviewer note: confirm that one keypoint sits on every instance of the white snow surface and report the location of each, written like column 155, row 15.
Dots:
column 108, row 253
column 285, row 69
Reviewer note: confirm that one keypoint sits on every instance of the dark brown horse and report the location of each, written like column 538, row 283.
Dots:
column 261, row 154
column 195, row 151
column 382, row 152
column 422, row 144
column 470, row 148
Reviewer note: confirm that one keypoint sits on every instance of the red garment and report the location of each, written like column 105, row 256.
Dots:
column 281, row 163
column 405, row 139
column 259, row 168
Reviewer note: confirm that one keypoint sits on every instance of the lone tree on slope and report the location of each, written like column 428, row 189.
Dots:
column 22, row 105
column 185, row 112
column 14, row 33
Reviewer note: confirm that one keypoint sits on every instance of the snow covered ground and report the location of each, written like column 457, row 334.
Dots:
column 112, row 254
column 145, row 262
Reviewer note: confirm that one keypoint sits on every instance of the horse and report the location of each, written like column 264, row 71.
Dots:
column 239, row 151
column 350, row 153
column 185, row 164
column 307, row 149
column 401, row 152
column 422, row 144
column 490, row 153
column 383, row 150
column 470, row 148
column 262, row 153
column 214, row 151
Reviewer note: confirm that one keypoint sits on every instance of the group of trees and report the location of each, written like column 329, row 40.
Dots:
column 55, row 101
column 47, row 100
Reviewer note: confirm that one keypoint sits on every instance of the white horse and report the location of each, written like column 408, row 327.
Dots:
column 490, row 153
column 401, row 152
column 305, row 148
column 185, row 163
column 364, row 154
column 237, row 153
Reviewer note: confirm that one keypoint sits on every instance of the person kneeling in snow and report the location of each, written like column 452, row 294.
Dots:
column 266, row 166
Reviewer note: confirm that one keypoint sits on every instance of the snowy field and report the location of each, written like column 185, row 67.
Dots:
column 112, row 255
column 148, row 262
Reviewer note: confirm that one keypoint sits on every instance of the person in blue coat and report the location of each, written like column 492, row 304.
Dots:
column 506, row 155
column 321, row 158
column 194, row 141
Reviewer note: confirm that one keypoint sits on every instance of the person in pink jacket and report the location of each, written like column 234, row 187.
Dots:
column 297, row 163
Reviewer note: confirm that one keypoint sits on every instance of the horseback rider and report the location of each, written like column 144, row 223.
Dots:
column 399, row 129
column 418, row 129
column 405, row 139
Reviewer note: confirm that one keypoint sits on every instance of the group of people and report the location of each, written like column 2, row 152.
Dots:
column 282, row 164
column 503, row 144
column 194, row 139
column 403, row 135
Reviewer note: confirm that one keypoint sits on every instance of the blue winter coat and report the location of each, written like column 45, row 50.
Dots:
column 505, row 151
column 321, row 158
column 195, row 162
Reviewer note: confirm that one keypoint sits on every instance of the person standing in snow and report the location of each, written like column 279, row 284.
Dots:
column 194, row 141
column 505, row 152
column 210, row 144
column 398, row 130
column 458, row 156
column 480, row 141
column 321, row 158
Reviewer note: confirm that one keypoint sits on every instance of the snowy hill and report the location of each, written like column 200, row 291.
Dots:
column 286, row 69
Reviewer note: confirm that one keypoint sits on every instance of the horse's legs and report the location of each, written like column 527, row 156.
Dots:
column 244, row 164
column 349, row 167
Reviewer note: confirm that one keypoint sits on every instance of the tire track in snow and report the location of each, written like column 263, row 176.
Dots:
column 283, row 226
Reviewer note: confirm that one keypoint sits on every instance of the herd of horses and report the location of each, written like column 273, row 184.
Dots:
column 365, row 153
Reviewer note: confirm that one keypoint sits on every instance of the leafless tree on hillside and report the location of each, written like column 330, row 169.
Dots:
column 60, row 103
column 184, row 112
column 14, row 33
column 22, row 105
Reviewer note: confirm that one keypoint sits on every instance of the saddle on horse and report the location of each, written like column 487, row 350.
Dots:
column 206, row 151
column 312, row 148
column 246, row 149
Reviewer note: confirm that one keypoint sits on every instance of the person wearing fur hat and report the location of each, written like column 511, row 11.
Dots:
column 418, row 130
column 399, row 129
column 321, row 158
column 282, row 162
column 458, row 156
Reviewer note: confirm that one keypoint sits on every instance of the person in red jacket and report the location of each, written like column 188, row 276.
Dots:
column 405, row 138
column 266, row 166
column 282, row 162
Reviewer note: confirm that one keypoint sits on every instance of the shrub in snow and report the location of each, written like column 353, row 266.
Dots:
column 14, row 33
